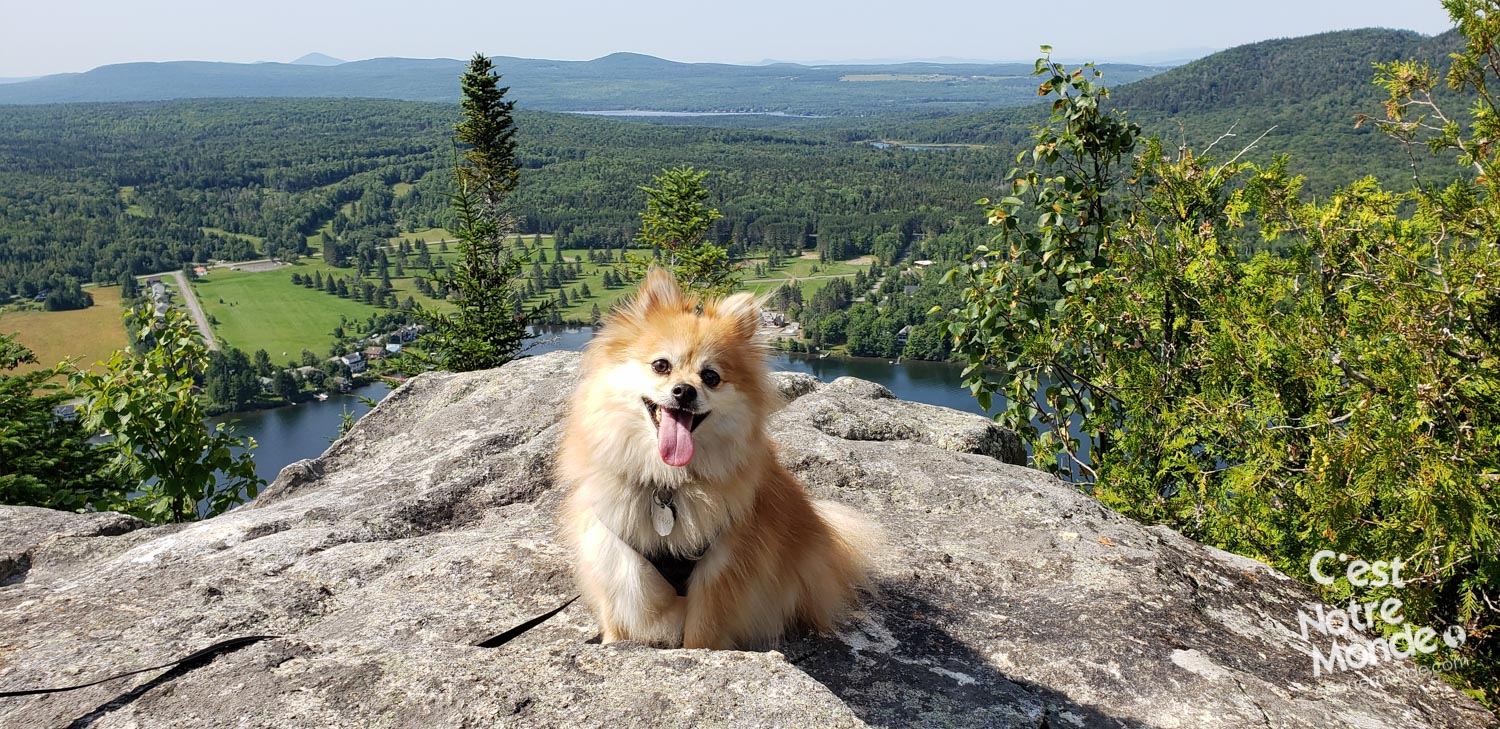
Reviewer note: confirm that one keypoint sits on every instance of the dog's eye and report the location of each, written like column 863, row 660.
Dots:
column 661, row 367
column 710, row 378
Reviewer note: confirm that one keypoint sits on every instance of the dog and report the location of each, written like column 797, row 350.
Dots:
column 686, row 531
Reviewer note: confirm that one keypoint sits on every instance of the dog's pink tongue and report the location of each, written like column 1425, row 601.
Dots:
column 675, row 438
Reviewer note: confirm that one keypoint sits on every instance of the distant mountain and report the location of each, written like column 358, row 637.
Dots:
column 1303, row 93
column 317, row 59
column 620, row 81
column 16, row 79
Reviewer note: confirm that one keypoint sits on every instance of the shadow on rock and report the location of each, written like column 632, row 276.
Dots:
column 896, row 666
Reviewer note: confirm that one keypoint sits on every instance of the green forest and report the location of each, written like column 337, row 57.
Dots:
column 90, row 192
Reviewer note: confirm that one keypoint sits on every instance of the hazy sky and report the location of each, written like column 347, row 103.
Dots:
column 51, row 36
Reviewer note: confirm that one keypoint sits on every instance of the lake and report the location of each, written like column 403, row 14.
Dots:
column 288, row 434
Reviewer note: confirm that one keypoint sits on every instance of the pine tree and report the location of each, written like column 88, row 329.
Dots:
column 484, row 330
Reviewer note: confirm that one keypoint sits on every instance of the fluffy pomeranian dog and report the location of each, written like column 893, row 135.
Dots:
column 685, row 529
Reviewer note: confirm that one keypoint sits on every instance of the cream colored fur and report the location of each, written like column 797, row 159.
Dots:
column 773, row 558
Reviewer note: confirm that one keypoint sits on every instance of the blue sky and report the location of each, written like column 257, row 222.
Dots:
column 76, row 35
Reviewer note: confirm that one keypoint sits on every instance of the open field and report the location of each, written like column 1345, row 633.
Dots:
column 127, row 196
column 808, row 285
column 90, row 335
column 265, row 311
column 430, row 235
column 806, row 267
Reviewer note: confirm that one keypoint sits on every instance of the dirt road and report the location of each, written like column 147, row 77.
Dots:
column 191, row 300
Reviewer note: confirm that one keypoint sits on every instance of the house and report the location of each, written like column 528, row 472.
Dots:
column 903, row 335
column 199, row 270
column 923, row 264
column 307, row 372
column 792, row 330
column 909, row 289
column 392, row 349
column 407, row 333
column 770, row 318
column 266, row 384
column 355, row 361
column 374, row 353
column 341, row 384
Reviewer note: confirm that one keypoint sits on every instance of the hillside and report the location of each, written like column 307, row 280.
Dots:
column 90, row 191
column 621, row 81
column 1306, row 92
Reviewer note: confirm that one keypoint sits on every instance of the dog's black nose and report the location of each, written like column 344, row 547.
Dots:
column 684, row 393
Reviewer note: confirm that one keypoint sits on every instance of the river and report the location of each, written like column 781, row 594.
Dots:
column 287, row 434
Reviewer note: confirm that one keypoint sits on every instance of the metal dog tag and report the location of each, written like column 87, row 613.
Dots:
column 662, row 516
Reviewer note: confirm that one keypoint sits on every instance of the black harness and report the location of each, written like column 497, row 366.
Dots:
column 675, row 570
column 672, row 568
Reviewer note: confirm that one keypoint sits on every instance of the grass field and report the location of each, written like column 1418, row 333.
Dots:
column 87, row 334
column 127, row 196
column 430, row 235
column 809, row 285
column 265, row 311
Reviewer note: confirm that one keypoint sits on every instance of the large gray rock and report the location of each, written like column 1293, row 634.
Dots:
column 1006, row 597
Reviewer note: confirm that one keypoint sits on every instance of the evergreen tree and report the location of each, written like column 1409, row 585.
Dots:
column 285, row 386
column 484, row 330
column 675, row 225
column 129, row 287
column 263, row 365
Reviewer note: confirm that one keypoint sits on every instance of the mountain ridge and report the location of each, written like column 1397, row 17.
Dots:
column 317, row 59
column 1304, row 93
column 617, row 81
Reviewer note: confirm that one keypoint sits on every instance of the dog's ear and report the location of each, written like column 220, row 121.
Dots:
column 658, row 292
column 742, row 313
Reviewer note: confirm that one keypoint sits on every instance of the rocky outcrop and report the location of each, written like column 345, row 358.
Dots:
column 1006, row 598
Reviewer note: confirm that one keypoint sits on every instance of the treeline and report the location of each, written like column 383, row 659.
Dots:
column 91, row 191
column 886, row 312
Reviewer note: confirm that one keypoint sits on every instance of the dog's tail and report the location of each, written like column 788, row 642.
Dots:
column 857, row 543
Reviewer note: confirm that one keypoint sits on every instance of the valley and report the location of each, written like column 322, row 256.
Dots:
column 823, row 198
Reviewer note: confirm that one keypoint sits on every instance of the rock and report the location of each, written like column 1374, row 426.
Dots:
column 793, row 385
column 1006, row 598
column 24, row 529
column 866, row 411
